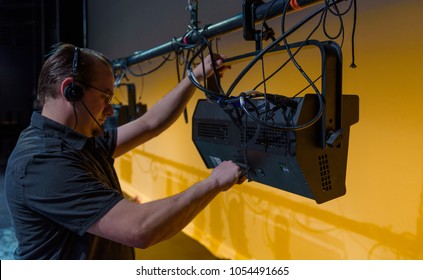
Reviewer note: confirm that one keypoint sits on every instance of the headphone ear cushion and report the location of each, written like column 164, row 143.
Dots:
column 73, row 93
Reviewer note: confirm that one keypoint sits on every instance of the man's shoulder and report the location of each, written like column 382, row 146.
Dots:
column 33, row 141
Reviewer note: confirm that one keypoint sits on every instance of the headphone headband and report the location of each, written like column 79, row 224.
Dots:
column 74, row 92
column 75, row 62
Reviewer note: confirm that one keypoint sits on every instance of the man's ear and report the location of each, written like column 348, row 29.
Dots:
column 65, row 83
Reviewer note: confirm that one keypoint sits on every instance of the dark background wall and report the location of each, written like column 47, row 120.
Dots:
column 27, row 30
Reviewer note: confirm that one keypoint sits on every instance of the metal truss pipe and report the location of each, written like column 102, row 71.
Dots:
column 268, row 9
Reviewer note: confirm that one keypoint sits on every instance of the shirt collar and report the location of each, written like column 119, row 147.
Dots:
column 58, row 130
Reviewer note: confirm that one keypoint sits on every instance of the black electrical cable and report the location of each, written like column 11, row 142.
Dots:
column 292, row 58
column 352, row 5
column 210, row 48
column 301, row 91
column 320, row 98
column 286, row 62
column 337, row 12
column 304, row 42
column 292, row 55
column 218, row 97
column 261, row 40
column 341, row 22
column 165, row 59
column 193, row 79
column 215, row 95
column 271, row 46
column 243, row 100
column 311, row 83
column 353, row 65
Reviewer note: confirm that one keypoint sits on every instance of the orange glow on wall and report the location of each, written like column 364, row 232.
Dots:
column 380, row 217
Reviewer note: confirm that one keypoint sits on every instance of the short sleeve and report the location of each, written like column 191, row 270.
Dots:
column 71, row 195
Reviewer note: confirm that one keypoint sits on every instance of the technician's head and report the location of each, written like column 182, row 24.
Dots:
column 80, row 83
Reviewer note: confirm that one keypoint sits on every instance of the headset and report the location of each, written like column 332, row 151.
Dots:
column 74, row 92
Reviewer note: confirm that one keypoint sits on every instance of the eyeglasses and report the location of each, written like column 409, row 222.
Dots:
column 110, row 96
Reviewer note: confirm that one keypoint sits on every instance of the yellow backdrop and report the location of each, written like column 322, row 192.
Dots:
column 380, row 217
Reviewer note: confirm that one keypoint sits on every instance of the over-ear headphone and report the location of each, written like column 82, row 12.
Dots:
column 74, row 92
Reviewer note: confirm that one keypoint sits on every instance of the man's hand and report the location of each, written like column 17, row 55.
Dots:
column 208, row 66
column 226, row 175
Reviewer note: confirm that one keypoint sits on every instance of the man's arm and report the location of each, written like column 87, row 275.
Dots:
column 143, row 225
column 163, row 113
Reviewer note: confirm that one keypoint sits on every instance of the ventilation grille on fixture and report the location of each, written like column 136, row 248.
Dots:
column 324, row 173
column 213, row 131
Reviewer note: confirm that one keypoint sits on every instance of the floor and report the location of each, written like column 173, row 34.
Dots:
column 7, row 235
column 180, row 247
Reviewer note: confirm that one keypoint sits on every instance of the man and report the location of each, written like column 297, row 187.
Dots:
column 61, row 187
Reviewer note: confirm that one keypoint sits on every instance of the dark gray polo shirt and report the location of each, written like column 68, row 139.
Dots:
column 58, row 183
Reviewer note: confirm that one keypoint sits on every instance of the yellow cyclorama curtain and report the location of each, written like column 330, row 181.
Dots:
column 380, row 217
